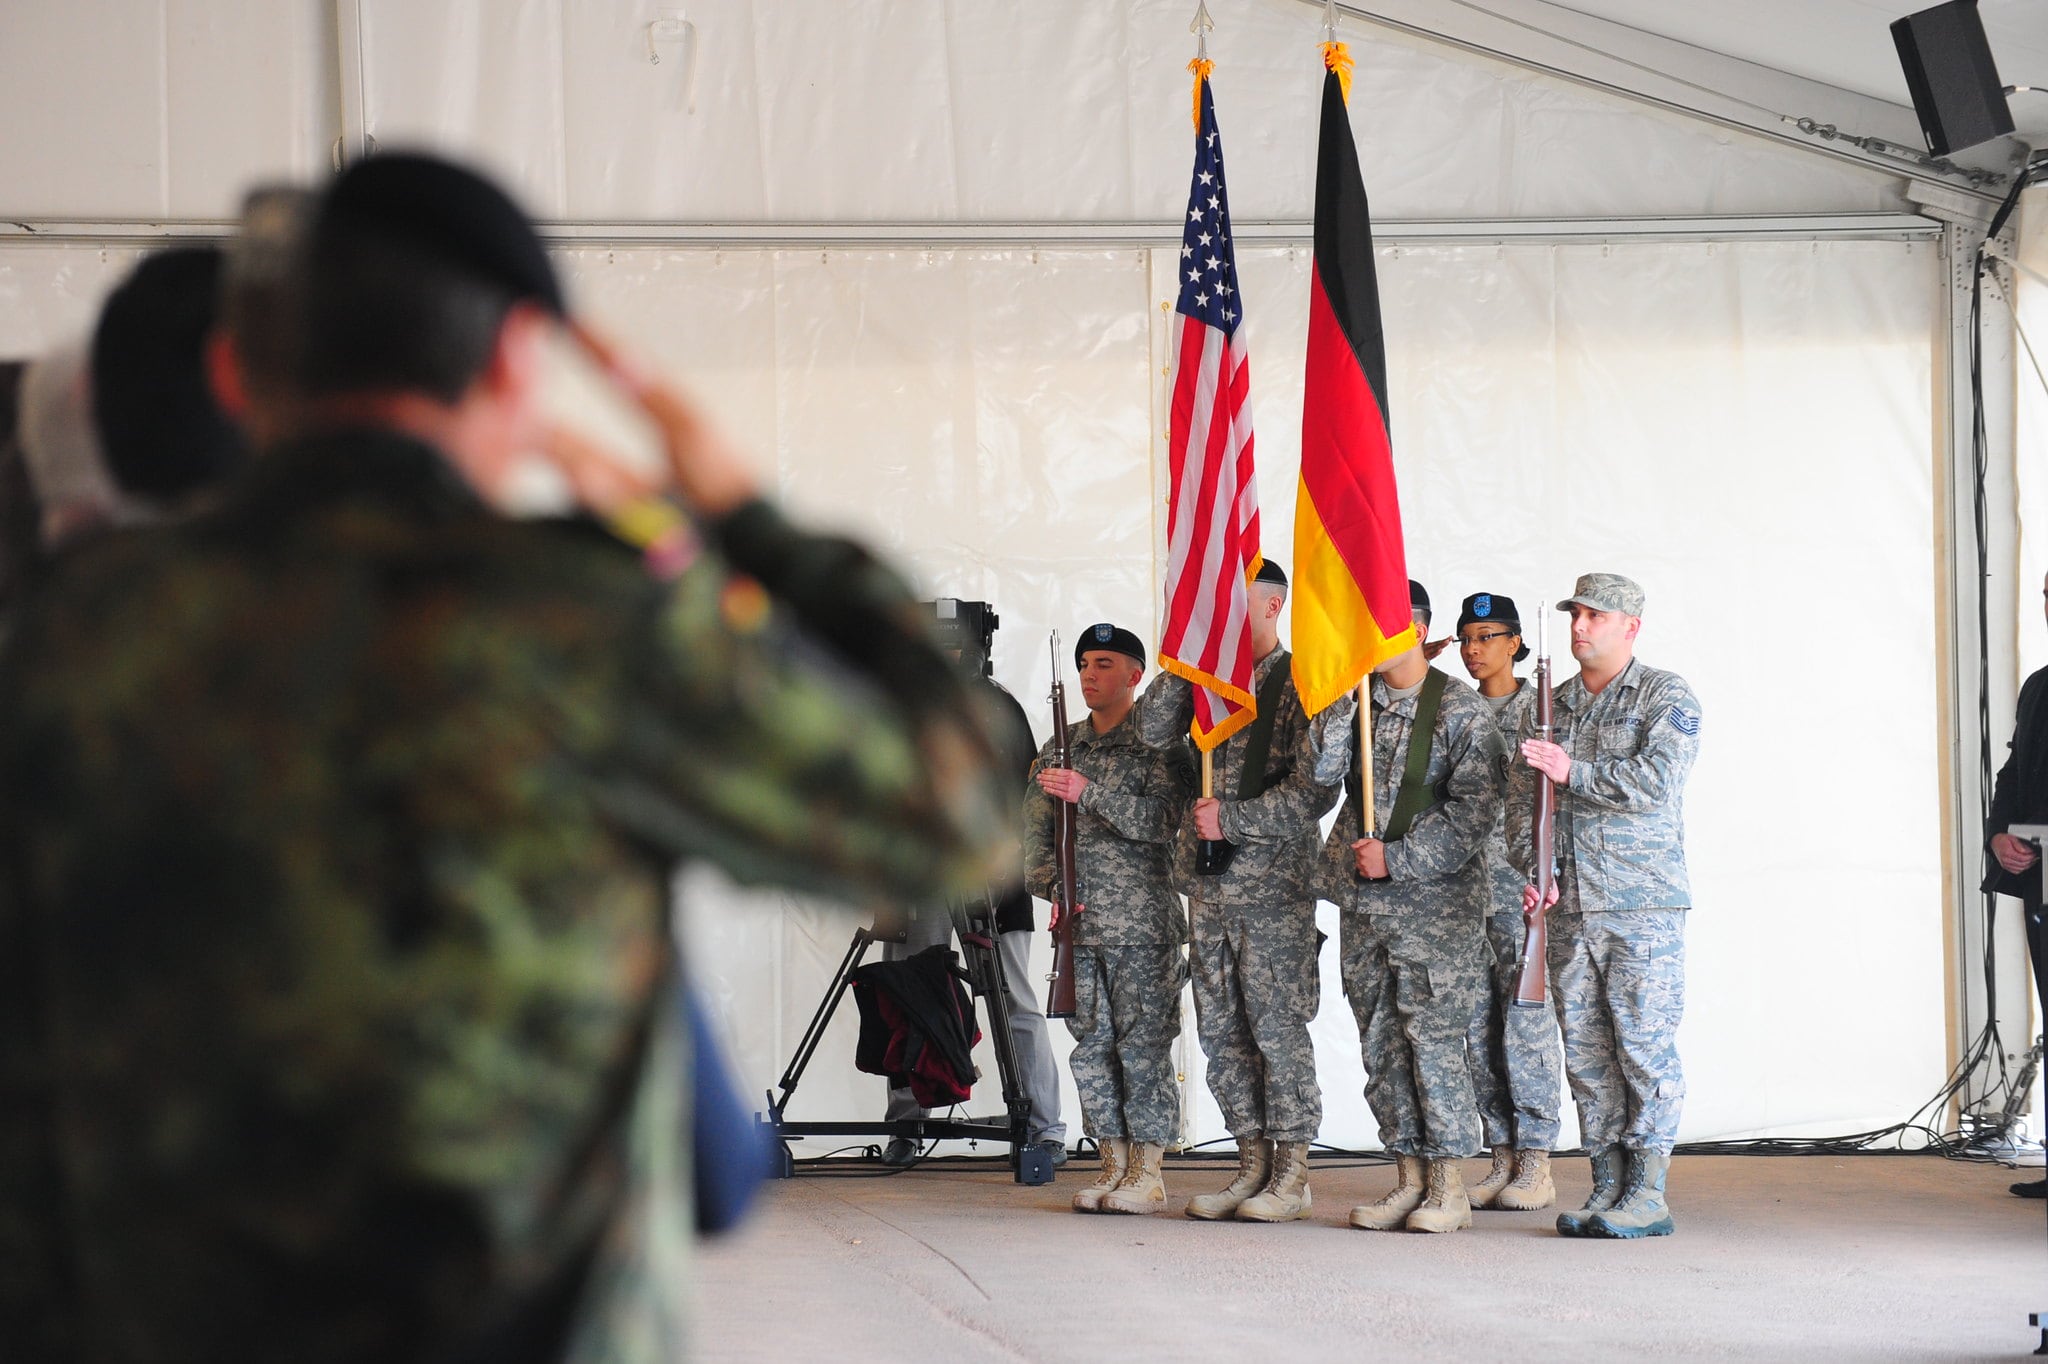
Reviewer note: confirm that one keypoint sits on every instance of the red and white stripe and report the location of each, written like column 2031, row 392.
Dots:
column 1212, row 523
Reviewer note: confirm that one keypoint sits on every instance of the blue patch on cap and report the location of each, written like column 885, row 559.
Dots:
column 1482, row 605
column 1105, row 633
column 1684, row 721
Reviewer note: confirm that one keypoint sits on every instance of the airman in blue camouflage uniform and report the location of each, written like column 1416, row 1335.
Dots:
column 1413, row 908
column 1627, row 735
column 337, row 828
column 1128, row 969
column 1513, row 1053
column 1253, row 962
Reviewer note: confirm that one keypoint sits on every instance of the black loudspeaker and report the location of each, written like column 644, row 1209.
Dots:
column 1955, row 85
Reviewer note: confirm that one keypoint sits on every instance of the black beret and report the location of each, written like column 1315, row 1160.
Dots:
column 1270, row 572
column 447, row 211
column 1491, row 608
column 1111, row 638
column 159, row 427
column 1418, row 597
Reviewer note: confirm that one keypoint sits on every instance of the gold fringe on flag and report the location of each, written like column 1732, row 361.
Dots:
column 1337, row 58
column 1201, row 66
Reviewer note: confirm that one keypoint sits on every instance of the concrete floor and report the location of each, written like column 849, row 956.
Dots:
column 1864, row 1258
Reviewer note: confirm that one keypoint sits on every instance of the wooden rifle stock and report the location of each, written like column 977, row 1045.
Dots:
column 1059, row 995
column 1530, row 985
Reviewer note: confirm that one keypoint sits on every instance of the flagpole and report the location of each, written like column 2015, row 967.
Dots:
column 1369, row 816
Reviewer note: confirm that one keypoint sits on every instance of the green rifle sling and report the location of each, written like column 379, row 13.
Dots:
column 1258, row 738
column 1415, row 794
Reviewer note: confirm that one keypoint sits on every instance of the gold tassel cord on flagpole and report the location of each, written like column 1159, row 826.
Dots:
column 1201, row 66
column 1200, row 26
column 1337, row 58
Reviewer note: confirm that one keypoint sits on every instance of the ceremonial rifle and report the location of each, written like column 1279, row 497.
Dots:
column 1059, row 996
column 1529, row 982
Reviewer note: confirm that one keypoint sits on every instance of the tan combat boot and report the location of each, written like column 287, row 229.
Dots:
column 1531, row 1188
column 1116, row 1158
column 1444, row 1206
column 1285, row 1197
column 1391, row 1212
column 1482, row 1193
column 1141, row 1190
column 1254, row 1168
column 1606, row 1192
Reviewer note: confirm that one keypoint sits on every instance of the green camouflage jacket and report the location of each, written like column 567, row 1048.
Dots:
column 336, row 832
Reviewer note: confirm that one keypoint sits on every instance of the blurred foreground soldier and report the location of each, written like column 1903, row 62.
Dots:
column 1127, row 939
column 1254, row 926
column 1414, row 902
column 1511, row 1052
column 20, row 517
column 2021, row 797
column 166, row 440
column 123, row 429
column 337, row 1017
column 1627, row 735
column 74, row 491
column 968, row 644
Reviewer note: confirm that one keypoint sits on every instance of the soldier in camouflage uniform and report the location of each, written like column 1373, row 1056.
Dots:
column 1512, row 1052
column 1627, row 735
column 1129, row 799
column 337, row 828
column 1254, row 946
column 1413, row 912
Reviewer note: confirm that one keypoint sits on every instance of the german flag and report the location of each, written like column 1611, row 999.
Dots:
column 1350, row 599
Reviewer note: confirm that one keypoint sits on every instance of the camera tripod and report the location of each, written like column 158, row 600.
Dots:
column 975, row 927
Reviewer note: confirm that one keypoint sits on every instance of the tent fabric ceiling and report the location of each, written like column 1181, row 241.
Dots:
column 959, row 111
column 1845, row 43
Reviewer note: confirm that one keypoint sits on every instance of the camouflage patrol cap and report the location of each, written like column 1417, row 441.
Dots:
column 1606, row 592
column 1110, row 638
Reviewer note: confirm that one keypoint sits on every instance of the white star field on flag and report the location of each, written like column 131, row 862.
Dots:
column 1208, row 284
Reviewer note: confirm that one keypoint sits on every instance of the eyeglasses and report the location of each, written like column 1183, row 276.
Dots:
column 1486, row 639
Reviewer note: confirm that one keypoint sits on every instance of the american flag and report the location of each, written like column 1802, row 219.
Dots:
column 1212, row 527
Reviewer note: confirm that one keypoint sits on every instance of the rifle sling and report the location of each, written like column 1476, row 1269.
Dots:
column 1258, row 736
column 1415, row 794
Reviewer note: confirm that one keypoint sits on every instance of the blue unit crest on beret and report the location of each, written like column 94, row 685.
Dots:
column 1104, row 633
column 1482, row 605
column 1684, row 721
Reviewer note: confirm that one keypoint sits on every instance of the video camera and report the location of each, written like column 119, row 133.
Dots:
column 970, row 627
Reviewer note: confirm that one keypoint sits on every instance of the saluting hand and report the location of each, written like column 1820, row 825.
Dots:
column 1062, row 783
column 1549, row 759
column 1430, row 649
column 1209, row 818
column 2014, row 854
column 703, row 466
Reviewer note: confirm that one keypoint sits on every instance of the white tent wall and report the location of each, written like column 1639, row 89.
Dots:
column 1745, row 426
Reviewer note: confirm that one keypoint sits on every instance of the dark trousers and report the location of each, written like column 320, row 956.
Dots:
column 2033, row 916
